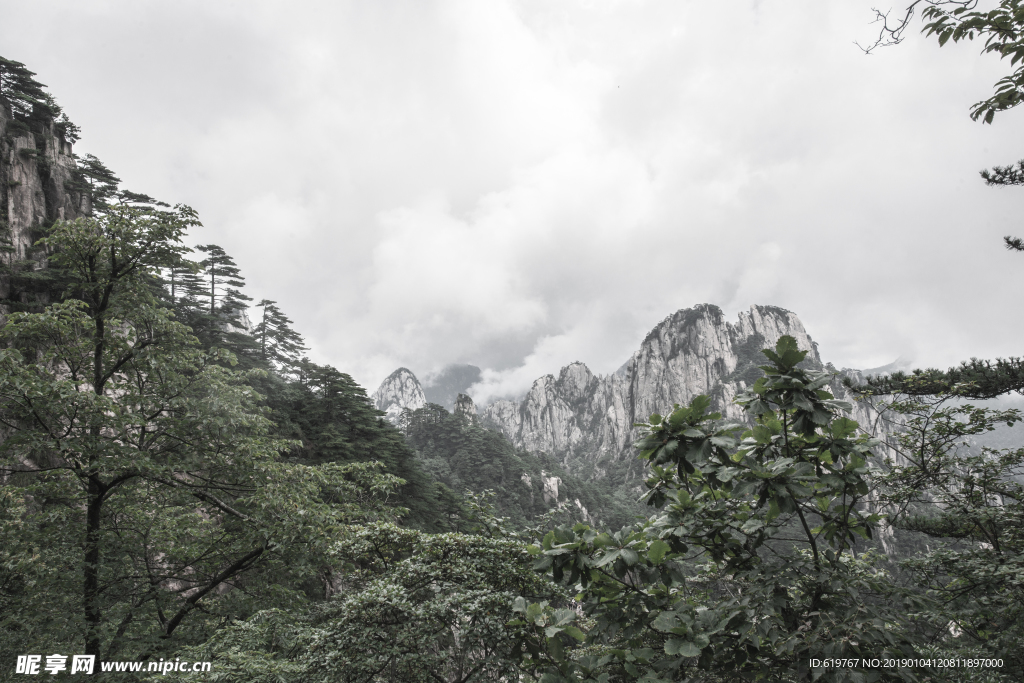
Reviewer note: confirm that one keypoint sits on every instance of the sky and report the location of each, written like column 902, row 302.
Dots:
column 519, row 184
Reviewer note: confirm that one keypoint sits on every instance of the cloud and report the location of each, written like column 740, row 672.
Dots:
column 519, row 184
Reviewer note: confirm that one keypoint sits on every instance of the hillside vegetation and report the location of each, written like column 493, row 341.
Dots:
column 178, row 482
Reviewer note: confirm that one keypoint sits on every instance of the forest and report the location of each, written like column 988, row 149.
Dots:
column 180, row 483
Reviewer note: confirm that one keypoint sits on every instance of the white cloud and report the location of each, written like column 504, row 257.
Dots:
column 520, row 184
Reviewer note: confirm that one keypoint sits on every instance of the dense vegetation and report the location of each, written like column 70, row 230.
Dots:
column 464, row 455
column 177, row 482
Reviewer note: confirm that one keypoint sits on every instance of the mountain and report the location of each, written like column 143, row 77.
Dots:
column 399, row 391
column 585, row 421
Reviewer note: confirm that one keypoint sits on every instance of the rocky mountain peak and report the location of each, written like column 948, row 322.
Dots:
column 579, row 416
column 575, row 381
column 398, row 391
column 464, row 406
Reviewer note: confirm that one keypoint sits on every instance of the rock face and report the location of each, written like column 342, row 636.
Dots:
column 400, row 390
column 579, row 417
column 464, row 406
column 37, row 170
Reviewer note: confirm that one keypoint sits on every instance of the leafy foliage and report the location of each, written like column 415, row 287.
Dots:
column 463, row 454
column 409, row 606
column 960, row 20
column 748, row 568
column 139, row 468
column 969, row 502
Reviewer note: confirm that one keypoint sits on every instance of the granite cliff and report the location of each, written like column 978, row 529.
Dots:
column 37, row 187
column 399, row 391
column 586, row 420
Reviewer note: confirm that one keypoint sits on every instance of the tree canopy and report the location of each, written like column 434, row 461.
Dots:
column 140, row 466
column 1000, row 27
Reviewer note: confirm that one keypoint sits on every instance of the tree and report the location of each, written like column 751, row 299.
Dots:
column 222, row 322
column 183, row 286
column 23, row 92
column 30, row 102
column 1001, row 27
column 333, row 421
column 409, row 606
column 225, row 279
column 748, row 569
column 278, row 342
column 92, row 177
column 967, row 502
column 138, row 468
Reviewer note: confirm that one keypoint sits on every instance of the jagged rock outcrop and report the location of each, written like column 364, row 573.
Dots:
column 37, row 169
column 400, row 390
column 464, row 406
column 579, row 415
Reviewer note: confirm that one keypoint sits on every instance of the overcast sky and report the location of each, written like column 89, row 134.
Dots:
column 522, row 184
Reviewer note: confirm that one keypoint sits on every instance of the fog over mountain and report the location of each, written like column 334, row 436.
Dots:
column 520, row 184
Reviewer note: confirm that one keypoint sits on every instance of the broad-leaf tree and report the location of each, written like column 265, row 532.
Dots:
column 408, row 606
column 968, row 503
column 137, row 469
column 748, row 570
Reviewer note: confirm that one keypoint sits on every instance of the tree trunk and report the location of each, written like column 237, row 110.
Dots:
column 91, row 587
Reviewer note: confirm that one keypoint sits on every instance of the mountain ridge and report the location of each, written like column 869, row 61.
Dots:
column 586, row 420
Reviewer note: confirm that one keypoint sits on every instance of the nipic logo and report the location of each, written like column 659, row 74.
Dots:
column 85, row 664
column 30, row 664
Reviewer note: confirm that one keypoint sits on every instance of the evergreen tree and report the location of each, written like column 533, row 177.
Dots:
column 139, row 470
column 333, row 419
column 25, row 95
column 30, row 102
column 221, row 321
column 278, row 342
column 225, row 283
column 92, row 177
column 183, row 287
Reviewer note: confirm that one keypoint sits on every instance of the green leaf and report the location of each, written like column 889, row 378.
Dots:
column 556, row 649
column 575, row 633
column 607, row 558
column 683, row 648
column 656, row 551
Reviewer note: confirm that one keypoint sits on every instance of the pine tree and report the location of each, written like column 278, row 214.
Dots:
column 225, row 279
column 95, row 180
column 183, row 285
column 278, row 342
column 23, row 92
column 29, row 101
column 221, row 322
